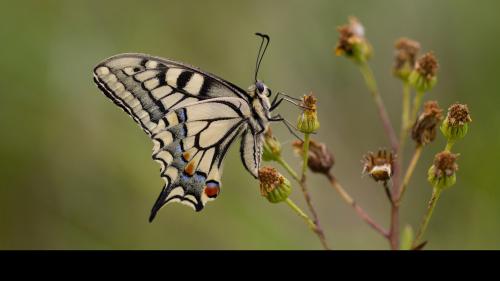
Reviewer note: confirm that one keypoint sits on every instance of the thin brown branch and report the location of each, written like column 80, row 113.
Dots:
column 302, row 182
column 307, row 197
column 384, row 117
column 318, row 230
column 361, row 213
column 388, row 193
column 391, row 134
column 409, row 173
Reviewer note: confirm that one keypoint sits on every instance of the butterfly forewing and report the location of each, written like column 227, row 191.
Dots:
column 148, row 87
column 192, row 117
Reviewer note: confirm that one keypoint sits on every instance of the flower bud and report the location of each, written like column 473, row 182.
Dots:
column 320, row 159
column 379, row 166
column 352, row 42
column 456, row 123
column 405, row 57
column 271, row 147
column 442, row 174
column 423, row 78
column 424, row 129
column 308, row 121
column 275, row 187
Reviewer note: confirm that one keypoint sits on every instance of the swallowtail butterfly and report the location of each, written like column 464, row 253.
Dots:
column 192, row 116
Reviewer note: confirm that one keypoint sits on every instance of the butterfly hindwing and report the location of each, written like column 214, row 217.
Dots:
column 191, row 147
column 250, row 151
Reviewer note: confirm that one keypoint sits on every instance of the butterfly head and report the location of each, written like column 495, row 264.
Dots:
column 259, row 90
column 262, row 90
column 260, row 94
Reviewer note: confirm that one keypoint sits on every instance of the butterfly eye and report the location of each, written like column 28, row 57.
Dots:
column 260, row 87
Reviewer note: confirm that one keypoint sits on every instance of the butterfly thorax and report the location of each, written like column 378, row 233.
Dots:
column 260, row 103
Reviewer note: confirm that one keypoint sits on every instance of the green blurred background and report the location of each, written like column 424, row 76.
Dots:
column 76, row 172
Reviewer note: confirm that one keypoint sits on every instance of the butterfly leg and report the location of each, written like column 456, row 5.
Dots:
column 289, row 125
column 277, row 100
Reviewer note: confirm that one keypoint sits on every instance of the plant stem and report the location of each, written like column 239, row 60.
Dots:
column 405, row 122
column 371, row 83
column 417, row 101
column 388, row 193
column 405, row 127
column 430, row 209
column 449, row 145
column 349, row 200
column 289, row 169
column 405, row 115
column 305, row 155
column 394, row 230
column 389, row 130
column 301, row 213
column 317, row 227
column 409, row 173
column 307, row 197
column 309, row 222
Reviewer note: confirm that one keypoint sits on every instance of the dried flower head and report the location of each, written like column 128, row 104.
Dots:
column 320, row 159
column 379, row 166
column 442, row 173
column 275, row 187
column 271, row 147
column 424, row 129
column 352, row 42
column 456, row 123
column 309, row 101
column 423, row 77
column 308, row 121
column 427, row 65
column 458, row 114
column 405, row 57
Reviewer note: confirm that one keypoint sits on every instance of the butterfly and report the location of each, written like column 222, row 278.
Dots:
column 192, row 117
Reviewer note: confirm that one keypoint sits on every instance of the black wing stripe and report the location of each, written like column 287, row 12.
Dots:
column 183, row 79
column 148, row 102
column 121, row 103
column 229, row 140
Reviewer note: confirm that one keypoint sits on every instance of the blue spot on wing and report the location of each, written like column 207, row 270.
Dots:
column 212, row 184
column 184, row 178
column 181, row 115
column 200, row 177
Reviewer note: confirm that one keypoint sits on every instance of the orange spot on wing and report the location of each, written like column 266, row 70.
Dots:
column 212, row 192
column 186, row 155
column 189, row 169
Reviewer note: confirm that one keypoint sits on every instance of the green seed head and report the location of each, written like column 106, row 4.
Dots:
column 423, row 78
column 456, row 123
column 275, row 187
column 406, row 55
column 352, row 42
column 442, row 174
column 308, row 121
column 271, row 147
column 424, row 129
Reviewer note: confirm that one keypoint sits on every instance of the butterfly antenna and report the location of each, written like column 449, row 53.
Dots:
column 260, row 55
